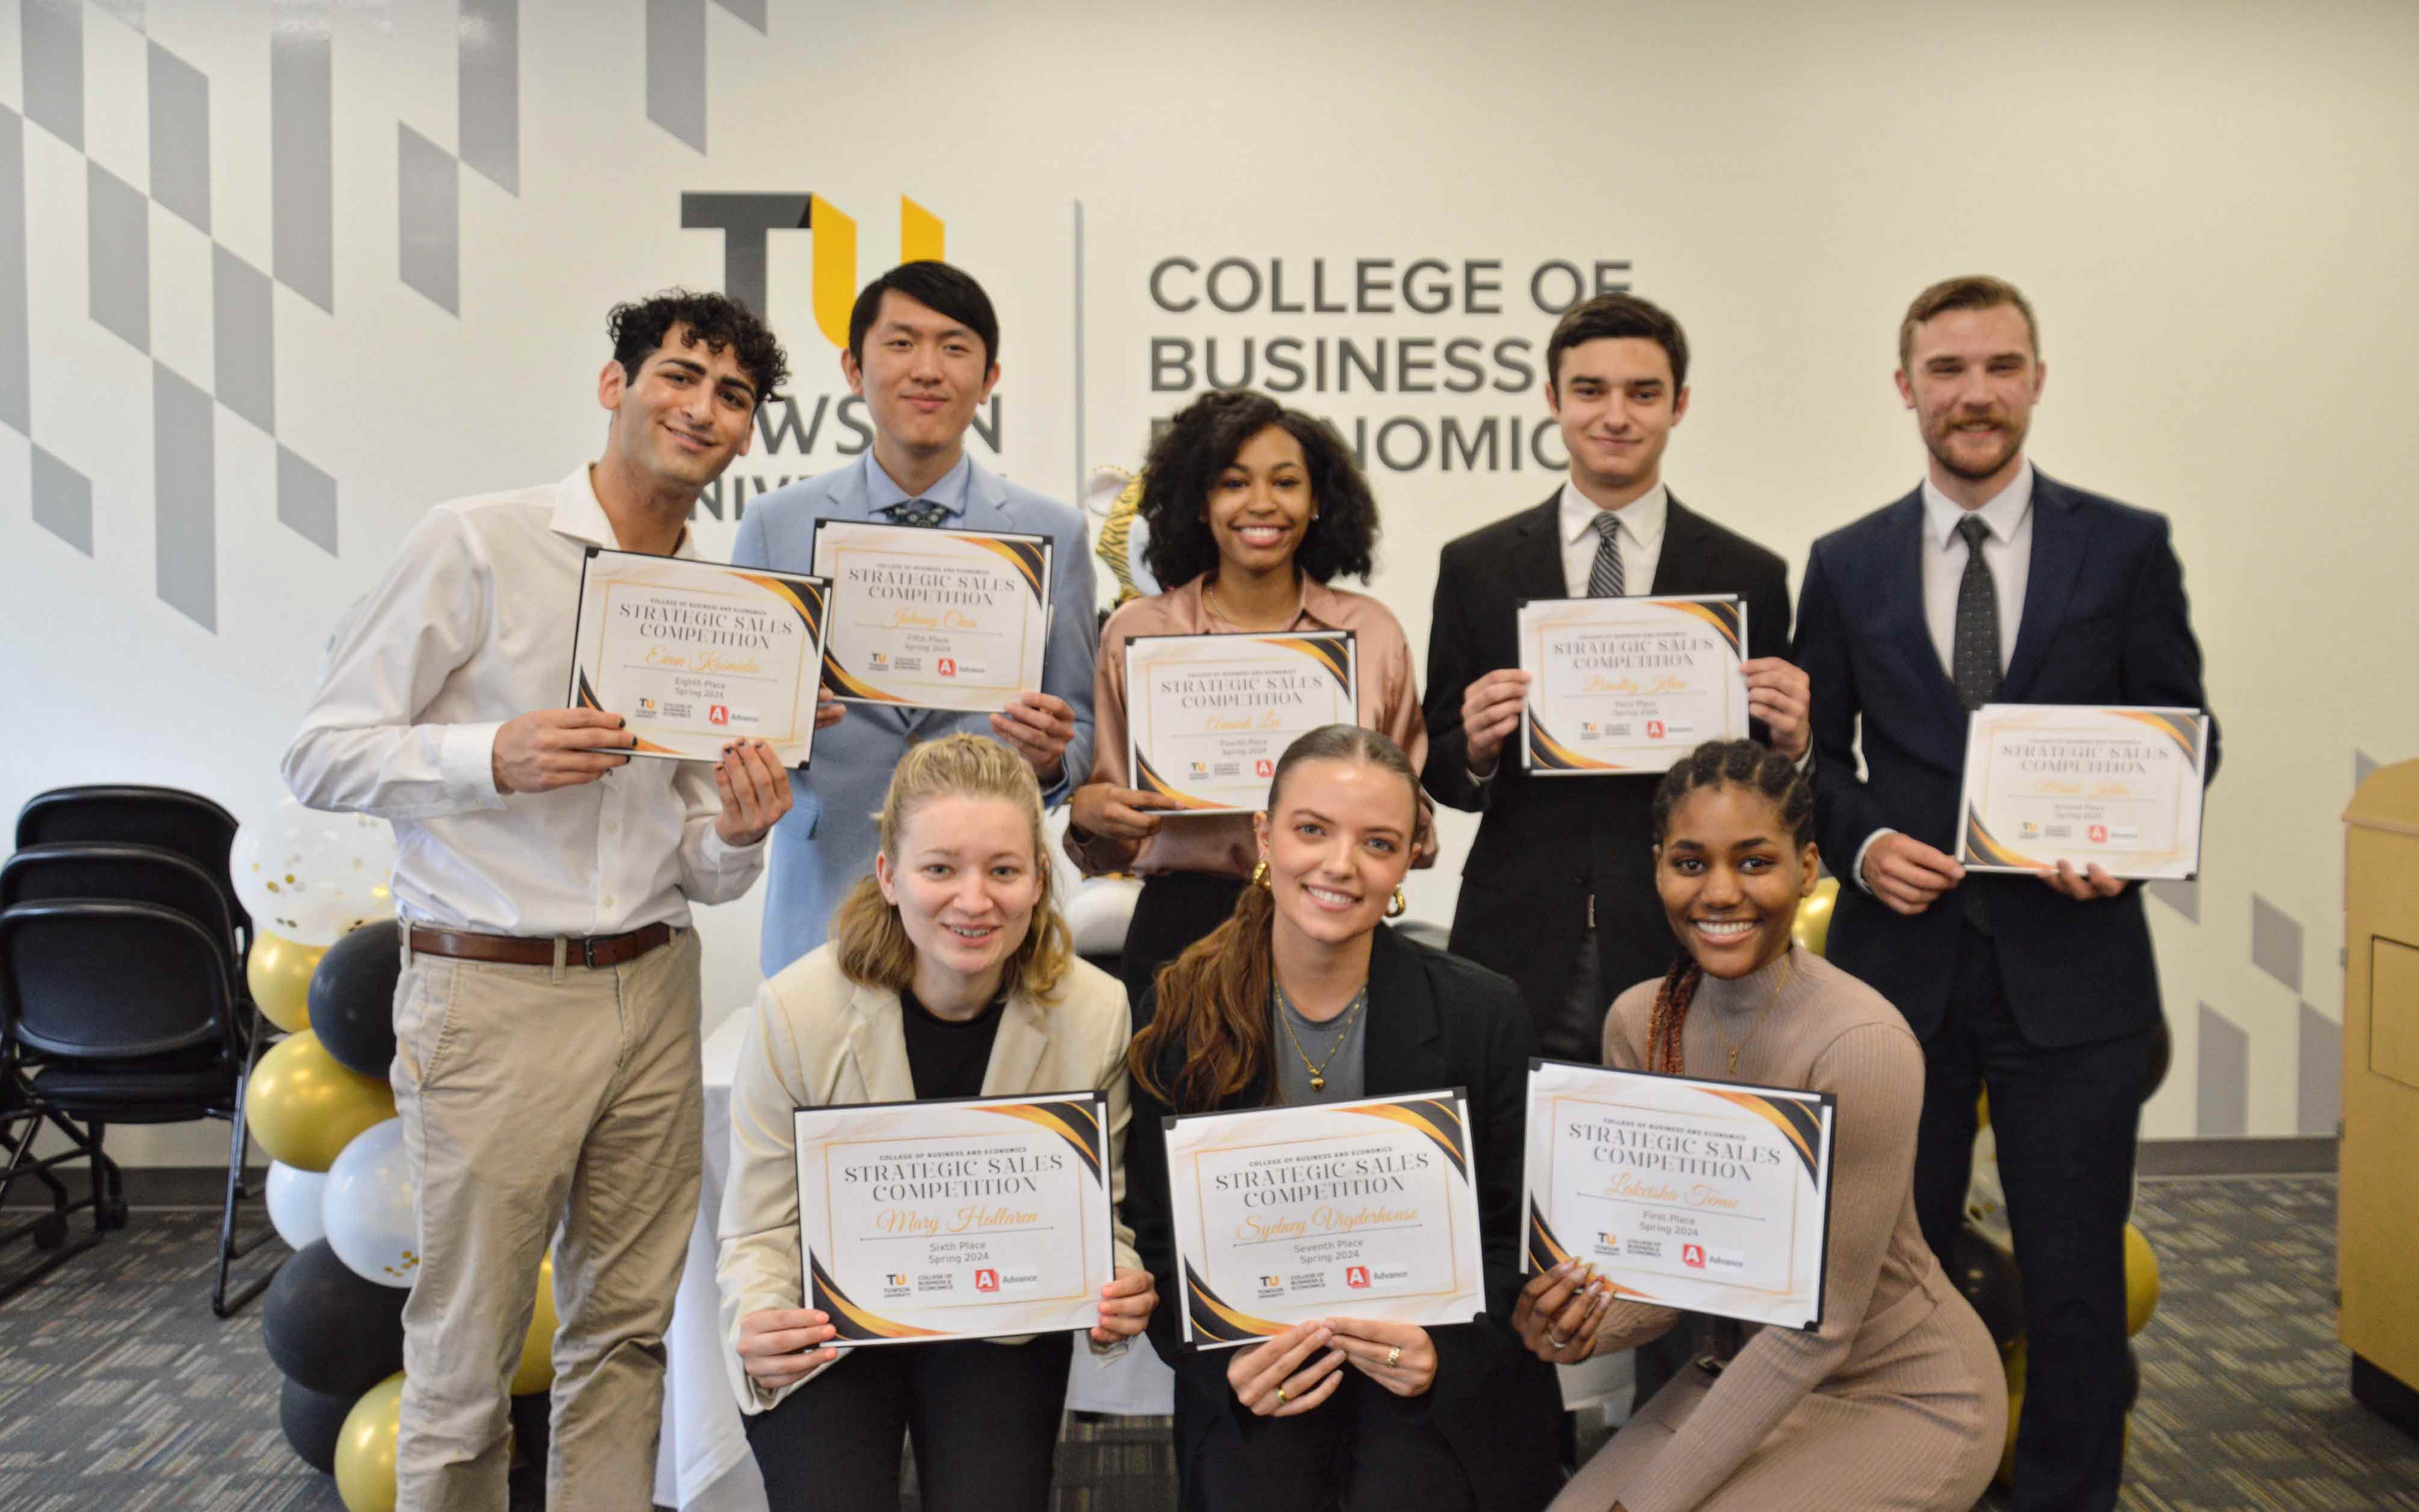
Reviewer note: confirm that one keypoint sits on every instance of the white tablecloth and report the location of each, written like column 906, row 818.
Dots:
column 703, row 1464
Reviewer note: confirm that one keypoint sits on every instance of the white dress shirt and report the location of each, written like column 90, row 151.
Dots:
column 1639, row 538
column 470, row 628
column 2008, row 552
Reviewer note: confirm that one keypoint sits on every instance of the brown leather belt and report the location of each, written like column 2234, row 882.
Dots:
column 594, row 950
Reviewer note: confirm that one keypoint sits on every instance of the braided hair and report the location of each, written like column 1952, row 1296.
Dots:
column 1743, row 763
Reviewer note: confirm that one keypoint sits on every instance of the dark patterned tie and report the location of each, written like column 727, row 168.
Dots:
column 1974, row 645
column 1604, row 574
column 920, row 512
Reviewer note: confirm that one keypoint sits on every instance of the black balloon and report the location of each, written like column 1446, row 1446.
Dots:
column 352, row 997
column 2163, row 1049
column 329, row 1330
column 1985, row 1275
column 313, row 1422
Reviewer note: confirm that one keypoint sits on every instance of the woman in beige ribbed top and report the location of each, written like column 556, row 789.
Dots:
column 1898, row 1400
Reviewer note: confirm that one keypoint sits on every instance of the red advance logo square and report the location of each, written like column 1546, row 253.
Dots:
column 1356, row 1275
column 1693, row 1256
column 986, row 1280
column 717, row 714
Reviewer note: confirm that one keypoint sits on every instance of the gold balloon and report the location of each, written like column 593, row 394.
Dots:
column 1983, row 1109
column 535, row 1372
column 365, row 1448
column 2141, row 1281
column 279, row 972
column 305, row 1108
column 2015, row 1364
column 1812, row 927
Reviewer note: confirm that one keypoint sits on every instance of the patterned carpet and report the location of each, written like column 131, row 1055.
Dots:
column 119, row 1391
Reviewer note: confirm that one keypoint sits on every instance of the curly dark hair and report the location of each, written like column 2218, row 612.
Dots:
column 1200, row 443
column 638, row 326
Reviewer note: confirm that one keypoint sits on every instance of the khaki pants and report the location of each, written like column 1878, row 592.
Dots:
column 531, row 1099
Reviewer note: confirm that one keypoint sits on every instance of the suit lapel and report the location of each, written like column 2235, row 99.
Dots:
column 1398, row 1055
column 878, row 1045
column 1537, row 558
column 2049, row 581
column 1016, row 1048
column 1899, row 612
column 1680, row 567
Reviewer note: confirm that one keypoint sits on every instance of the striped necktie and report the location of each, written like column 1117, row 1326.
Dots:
column 1604, row 574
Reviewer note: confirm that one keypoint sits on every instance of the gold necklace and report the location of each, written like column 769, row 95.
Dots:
column 1318, row 1073
column 1210, row 601
column 1735, row 1049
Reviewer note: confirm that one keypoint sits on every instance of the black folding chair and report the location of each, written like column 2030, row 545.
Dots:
column 127, row 1012
column 169, row 819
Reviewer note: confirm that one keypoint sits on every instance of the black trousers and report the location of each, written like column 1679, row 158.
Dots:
column 2065, row 1120
column 983, row 1417
column 1364, row 1449
column 1175, row 908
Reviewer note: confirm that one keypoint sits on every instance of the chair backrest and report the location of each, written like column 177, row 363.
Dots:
column 112, row 981
column 119, row 873
column 170, row 819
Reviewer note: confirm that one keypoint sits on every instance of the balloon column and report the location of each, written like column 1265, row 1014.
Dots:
column 325, row 959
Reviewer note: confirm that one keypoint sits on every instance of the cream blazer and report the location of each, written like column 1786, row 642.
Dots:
column 817, row 1040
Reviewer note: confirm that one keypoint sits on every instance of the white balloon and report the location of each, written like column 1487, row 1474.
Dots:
column 310, row 876
column 370, row 1206
column 294, row 1204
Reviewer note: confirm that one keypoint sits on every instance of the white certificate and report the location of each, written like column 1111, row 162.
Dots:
column 1630, row 685
column 956, row 1218
column 1337, row 1210
column 1712, row 1196
column 2046, row 782
column 1207, row 715
column 934, row 618
column 694, row 655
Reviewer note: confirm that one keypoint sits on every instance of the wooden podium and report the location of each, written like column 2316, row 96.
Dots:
column 2377, row 1198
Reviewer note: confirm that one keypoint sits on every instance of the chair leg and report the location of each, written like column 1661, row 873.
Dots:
column 223, row 1304
column 48, row 1231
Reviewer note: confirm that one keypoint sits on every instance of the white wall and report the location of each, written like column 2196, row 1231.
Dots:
column 2213, row 208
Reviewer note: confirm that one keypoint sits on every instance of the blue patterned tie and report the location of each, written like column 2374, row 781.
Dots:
column 920, row 512
column 1974, row 644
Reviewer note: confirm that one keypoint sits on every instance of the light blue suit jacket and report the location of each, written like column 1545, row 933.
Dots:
column 826, row 841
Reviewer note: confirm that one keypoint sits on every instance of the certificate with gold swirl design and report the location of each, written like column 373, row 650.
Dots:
column 934, row 618
column 1630, row 685
column 2119, row 786
column 693, row 654
column 1333, row 1210
column 1713, row 1196
column 956, row 1218
column 1207, row 715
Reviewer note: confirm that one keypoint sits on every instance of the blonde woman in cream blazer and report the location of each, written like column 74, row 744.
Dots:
column 983, row 1415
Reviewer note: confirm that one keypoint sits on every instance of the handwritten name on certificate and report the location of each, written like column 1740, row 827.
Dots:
column 964, row 1218
column 934, row 618
column 2046, row 782
column 693, row 654
column 1629, row 684
column 1713, row 1196
column 1208, row 714
column 1338, row 1210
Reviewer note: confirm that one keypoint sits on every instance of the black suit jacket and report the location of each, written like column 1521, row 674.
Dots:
column 2104, row 622
column 1546, row 846
column 1434, row 1022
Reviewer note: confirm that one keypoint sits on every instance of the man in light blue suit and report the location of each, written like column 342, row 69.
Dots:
column 922, row 350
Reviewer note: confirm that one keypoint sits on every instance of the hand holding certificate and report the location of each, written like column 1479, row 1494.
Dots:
column 1208, row 714
column 1293, row 1215
column 955, row 1219
column 1713, row 1196
column 2119, row 788
column 693, row 654
column 934, row 618
column 1630, row 685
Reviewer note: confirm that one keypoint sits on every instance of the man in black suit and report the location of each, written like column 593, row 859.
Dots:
column 1994, row 583
column 1559, row 889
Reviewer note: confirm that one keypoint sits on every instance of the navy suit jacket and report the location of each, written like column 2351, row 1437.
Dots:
column 2104, row 622
column 826, row 840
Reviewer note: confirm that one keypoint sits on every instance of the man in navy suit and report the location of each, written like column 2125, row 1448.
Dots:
column 923, row 352
column 1994, row 583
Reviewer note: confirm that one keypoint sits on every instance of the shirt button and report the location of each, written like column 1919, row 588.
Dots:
column 609, row 900
column 612, row 827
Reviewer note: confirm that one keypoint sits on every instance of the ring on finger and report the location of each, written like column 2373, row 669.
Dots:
column 1281, row 1396
column 1558, row 1343
column 1394, row 1357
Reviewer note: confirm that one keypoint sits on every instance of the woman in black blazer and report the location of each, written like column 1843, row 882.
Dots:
column 1304, row 996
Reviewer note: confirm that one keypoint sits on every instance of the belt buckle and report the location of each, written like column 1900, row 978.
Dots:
column 1710, row 1364
column 588, row 951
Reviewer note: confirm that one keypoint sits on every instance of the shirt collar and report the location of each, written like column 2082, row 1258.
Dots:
column 2003, row 512
column 1642, row 517
column 950, row 493
column 580, row 515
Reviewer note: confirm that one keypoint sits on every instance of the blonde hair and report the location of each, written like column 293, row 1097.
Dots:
column 867, row 934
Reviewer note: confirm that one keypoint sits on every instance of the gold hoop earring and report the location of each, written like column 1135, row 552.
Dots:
column 1398, row 905
column 1260, row 875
